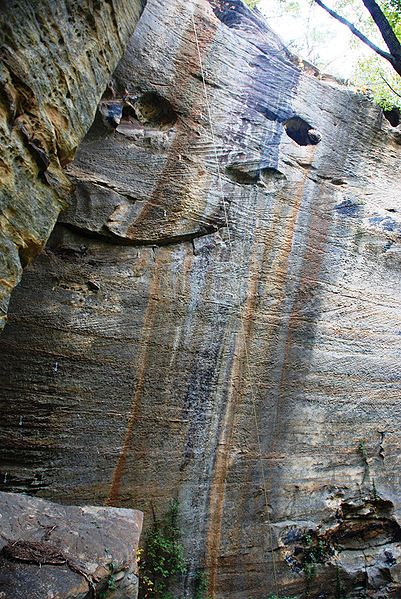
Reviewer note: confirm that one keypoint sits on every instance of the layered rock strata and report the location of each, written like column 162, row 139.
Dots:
column 56, row 59
column 218, row 314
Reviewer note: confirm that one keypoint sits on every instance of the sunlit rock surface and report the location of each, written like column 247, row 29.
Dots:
column 56, row 59
column 216, row 317
column 66, row 552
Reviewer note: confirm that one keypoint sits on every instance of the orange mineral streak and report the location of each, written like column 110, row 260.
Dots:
column 236, row 394
column 172, row 171
column 222, row 462
column 179, row 180
column 153, row 304
column 240, row 373
column 317, row 235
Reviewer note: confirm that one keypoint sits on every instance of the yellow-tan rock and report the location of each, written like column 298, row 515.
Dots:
column 56, row 59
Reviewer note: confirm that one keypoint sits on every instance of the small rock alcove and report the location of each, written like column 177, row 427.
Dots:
column 393, row 116
column 302, row 132
column 153, row 110
column 245, row 173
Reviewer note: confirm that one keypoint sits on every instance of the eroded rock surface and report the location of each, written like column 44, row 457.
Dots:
column 56, row 59
column 219, row 311
column 66, row 552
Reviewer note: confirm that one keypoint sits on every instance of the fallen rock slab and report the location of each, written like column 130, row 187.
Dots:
column 66, row 552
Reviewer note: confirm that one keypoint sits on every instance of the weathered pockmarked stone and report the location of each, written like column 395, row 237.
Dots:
column 56, row 59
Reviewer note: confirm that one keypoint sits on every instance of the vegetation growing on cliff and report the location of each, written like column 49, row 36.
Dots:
column 382, row 17
column 251, row 3
column 163, row 557
column 371, row 22
column 315, row 552
column 378, row 22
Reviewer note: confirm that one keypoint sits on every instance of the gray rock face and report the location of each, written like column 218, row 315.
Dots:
column 56, row 59
column 66, row 552
column 218, row 311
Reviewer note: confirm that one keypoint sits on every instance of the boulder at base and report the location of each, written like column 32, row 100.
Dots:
column 65, row 552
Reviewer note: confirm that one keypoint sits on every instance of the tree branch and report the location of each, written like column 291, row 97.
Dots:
column 358, row 33
column 384, row 27
column 388, row 85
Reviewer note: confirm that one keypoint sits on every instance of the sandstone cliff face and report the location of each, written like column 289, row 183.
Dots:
column 155, row 352
column 56, row 59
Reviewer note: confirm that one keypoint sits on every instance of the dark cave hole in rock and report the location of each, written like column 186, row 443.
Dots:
column 393, row 116
column 302, row 132
column 153, row 110
column 368, row 524
column 128, row 112
column 246, row 174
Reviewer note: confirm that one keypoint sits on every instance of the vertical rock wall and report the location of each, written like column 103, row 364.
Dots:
column 56, row 59
column 155, row 352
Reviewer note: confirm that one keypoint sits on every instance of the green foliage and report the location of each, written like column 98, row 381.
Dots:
column 316, row 551
column 395, row 4
column 363, row 451
column 163, row 557
column 110, row 583
column 374, row 490
column 373, row 77
column 392, row 10
column 340, row 591
column 201, row 585
column 251, row 3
